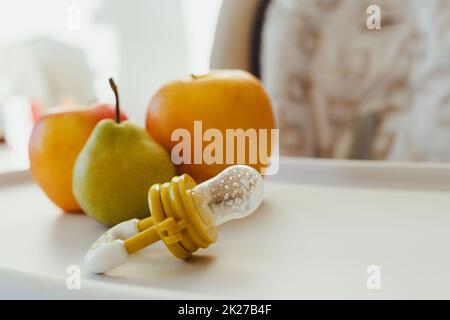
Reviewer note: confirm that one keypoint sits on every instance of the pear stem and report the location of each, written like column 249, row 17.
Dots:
column 116, row 94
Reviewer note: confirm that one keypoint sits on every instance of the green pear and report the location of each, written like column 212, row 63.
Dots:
column 116, row 168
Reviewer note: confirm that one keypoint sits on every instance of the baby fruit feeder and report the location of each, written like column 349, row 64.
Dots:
column 184, row 216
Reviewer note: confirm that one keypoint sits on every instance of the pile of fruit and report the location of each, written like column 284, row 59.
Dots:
column 96, row 161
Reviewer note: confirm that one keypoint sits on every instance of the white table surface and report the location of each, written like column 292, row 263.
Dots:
column 322, row 223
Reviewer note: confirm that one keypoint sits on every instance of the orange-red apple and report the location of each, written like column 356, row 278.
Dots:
column 222, row 100
column 55, row 142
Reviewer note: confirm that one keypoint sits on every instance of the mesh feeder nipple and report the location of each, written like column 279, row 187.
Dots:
column 233, row 194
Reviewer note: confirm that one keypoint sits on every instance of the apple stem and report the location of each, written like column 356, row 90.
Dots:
column 116, row 94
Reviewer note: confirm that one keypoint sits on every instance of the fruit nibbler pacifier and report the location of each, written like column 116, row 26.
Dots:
column 184, row 216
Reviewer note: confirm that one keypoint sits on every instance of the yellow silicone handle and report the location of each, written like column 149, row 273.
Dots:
column 145, row 223
column 175, row 219
column 141, row 240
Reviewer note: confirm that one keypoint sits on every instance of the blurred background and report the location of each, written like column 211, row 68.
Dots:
column 61, row 53
column 339, row 89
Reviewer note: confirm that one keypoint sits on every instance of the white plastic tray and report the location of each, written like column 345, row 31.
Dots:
column 322, row 223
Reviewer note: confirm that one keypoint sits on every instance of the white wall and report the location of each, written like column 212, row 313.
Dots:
column 142, row 43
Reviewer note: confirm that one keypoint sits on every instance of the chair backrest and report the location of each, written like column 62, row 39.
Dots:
column 234, row 35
